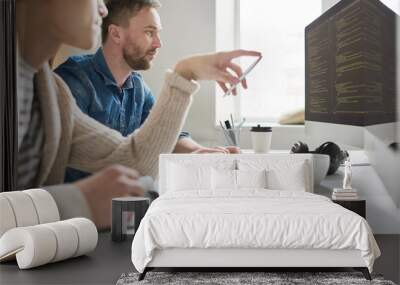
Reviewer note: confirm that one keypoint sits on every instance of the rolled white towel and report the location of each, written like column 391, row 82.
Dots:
column 67, row 240
column 40, row 244
column 46, row 207
column 33, row 246
column 23, row 208
column 7, row 218
column 26, row 208
column 87, row 235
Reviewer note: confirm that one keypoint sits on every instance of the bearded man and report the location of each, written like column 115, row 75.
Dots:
column 107, row 86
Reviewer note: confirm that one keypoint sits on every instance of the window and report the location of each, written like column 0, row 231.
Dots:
column 276, row 28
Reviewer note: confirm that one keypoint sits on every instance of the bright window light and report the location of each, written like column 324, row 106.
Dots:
column 276, row 28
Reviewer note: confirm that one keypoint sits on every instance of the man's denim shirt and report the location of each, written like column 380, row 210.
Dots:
column 98, row 95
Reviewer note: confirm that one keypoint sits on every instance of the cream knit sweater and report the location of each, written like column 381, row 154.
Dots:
column 74, row 139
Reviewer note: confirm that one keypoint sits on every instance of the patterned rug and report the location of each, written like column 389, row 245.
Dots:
column 244, row 278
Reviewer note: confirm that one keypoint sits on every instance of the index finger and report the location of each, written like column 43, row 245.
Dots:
column 242, row 52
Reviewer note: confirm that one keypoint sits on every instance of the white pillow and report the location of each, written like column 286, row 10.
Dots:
column 251, row 178
column 183, row 177
column 294, row 180
column 281, row 173
column 223, row 179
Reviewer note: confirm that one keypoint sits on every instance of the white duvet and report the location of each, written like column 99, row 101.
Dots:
column 250, row 219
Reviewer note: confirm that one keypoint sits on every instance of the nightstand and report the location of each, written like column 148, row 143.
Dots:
column 357, row 206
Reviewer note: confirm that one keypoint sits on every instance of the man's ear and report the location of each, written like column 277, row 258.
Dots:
column 115, row 34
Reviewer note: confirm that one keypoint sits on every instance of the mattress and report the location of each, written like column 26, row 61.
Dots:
column 250, row 219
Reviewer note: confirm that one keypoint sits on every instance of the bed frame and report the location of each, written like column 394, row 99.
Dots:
column 242, row 259
column 250, row 259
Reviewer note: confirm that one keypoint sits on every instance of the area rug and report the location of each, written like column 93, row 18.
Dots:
column 244, row 278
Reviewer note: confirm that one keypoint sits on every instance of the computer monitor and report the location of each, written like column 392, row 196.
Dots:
column 350, row 64
column 351, row 92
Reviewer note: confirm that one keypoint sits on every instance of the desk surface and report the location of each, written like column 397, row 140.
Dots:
column 102, row 266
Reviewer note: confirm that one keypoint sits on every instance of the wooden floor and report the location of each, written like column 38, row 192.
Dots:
column 389, row 262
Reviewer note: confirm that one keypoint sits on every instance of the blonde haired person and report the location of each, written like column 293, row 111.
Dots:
column 53, row 133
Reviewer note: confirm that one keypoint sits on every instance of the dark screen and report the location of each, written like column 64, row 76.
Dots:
column 351, row 64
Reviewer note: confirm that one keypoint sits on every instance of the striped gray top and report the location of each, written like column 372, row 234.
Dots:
column 30, row 128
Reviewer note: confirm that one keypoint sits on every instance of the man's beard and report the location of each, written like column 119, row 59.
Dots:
column 134, row 61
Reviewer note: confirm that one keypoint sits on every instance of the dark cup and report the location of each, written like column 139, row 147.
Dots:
column 127, row 212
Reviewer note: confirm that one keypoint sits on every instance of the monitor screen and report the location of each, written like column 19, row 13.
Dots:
column 350, row 78
column 351, row 65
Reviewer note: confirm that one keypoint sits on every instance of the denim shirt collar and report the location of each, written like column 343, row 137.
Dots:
column 101, row 66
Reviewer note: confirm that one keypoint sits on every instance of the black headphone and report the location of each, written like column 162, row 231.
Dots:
column 336, row 155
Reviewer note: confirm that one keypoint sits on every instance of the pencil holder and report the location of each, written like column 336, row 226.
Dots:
column 231, row 137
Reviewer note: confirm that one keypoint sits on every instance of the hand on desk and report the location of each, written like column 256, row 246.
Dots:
column 100, row 188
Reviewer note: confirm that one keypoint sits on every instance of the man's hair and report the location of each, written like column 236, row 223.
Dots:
column 120, row 11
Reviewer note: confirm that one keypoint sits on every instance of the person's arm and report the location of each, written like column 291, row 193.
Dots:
column 95, row 146
column 91, row 197
column 186, row 145
column 70, row 201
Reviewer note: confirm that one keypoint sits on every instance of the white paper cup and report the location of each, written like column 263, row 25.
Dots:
column 261, row 139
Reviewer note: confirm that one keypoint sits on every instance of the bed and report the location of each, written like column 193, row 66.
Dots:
column 247, row 211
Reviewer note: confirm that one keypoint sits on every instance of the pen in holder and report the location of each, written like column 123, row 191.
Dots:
column 231, row 136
